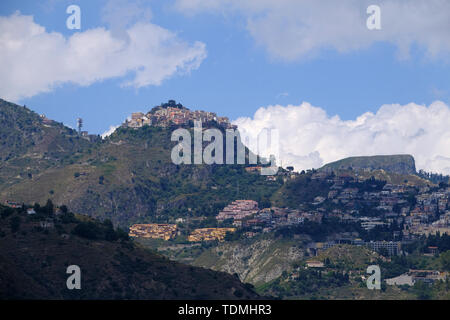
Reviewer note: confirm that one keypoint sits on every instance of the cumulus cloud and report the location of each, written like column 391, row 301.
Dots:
column 119, row 15
column 109, row 132
column 309, row 138
column 33, row 60
column 292, row 29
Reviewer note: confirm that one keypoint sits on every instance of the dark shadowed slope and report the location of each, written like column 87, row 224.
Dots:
column 34, row 258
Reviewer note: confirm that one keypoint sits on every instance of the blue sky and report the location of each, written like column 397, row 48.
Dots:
column 238, row 75
column 313, row 70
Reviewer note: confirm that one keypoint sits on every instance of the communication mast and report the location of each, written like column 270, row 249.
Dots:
column 80, row 125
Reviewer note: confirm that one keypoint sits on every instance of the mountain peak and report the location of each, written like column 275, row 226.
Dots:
column 173, row 113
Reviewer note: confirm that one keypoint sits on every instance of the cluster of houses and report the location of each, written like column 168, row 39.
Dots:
column 172, row 113
column 245, row 213
column 431, row 213
column 238, row 210
column 427, row 213
column 154, row 231
column 285, row 174
column 393, row 248
column 209, row 234
column 170, row 231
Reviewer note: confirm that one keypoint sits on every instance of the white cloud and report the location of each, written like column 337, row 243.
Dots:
column 309, row 138
column 109, row 132
column 119, row 15
column 33, row 60
column 292, row 29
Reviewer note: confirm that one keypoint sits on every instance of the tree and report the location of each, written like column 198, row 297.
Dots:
column 422, row 290
column 265, row 203
column 49, row 207
column 123, row 235
column 87, row 230
column 15, row 223
column 6, row 212
column 68, row 217
column 445, row 260
column 110, row 234
column 37, row 207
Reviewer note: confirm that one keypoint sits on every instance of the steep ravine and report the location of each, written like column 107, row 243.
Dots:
column 255, row 262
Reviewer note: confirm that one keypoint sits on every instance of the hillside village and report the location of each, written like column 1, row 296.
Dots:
column 170, row 231
column 408, row 211
column 171, row 113
column 153, row 231
column 209, row 234
column 402, row 212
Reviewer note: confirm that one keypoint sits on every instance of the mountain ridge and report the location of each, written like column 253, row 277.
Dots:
column 127, row 177
column 35, row 251
column 398, row 163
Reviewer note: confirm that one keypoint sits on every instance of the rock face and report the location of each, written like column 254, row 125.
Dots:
column 257, row 262
column 401, row 164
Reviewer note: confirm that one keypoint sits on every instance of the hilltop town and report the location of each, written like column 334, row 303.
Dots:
column 172, row 113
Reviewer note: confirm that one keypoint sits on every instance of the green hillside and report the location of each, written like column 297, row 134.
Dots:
column 128, row 177
column 34, row 259
column 392, row 177
column 30, row 144
column 343, row 277
column 300, row 190
column 402, row 164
